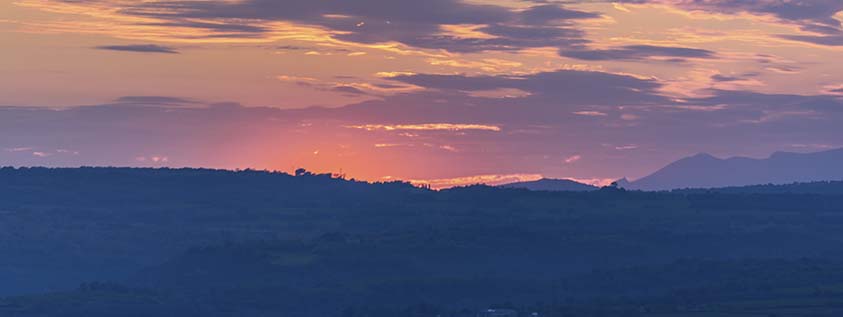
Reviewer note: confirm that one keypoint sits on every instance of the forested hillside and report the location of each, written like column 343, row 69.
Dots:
column 186, row 242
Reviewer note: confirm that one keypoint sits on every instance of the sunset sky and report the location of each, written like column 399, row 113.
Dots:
column 444, row 91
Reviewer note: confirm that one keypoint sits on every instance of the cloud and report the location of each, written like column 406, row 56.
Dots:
column 39, row 153
column 828, row 40
column 488, row 179
column 19, row 149
column 481, row 129
column 155, row 159
column 227, row 29
column 725, row 78
column 626, row 147
column 548, row 13
column 449, row 148
column 386, row 145
column 292, row 48
column 155, row 100
column 348, row 90
column 505, row 123
column 413, row 23
column 813, row 15
column 427, row 127
column 591, row 113
column 140, row 48
column 573, row 159
column 563, row 87
column 299, row 80
column 637, row 52
column 630, row 117
column 736, row 98
column 735, row 81
column 66, row 151
column 833, row 89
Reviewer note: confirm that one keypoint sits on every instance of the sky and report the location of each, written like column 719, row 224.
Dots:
column 445, row 92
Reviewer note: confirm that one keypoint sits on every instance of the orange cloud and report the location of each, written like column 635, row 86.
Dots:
column 488, row 179
column 426, row 127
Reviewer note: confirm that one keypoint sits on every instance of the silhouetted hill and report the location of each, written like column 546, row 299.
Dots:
column 706, row 171
column 108, row 222
column 546, row 184
column 192, row 242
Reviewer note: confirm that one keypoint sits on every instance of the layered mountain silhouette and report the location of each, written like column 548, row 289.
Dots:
column 706, row 171
column 548, row 184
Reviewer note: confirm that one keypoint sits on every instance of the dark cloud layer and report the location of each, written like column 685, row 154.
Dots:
column 415, row 23
column 140, row 48
column 829, row 40
column 637, row 52
column 761, row 101
column 733, row 78
column 348, row 90
column 725, row 78
column 419, row 23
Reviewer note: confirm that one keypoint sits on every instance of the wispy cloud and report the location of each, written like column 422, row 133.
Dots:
column 638, row 52
column 591, row 113
column 19, row 149
column 154, row 159
column 817, row 16
column 140, row 48
column 386, row 145
column 626, row 147
column 426, row 127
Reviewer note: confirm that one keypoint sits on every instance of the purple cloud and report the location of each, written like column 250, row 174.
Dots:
column 140, row 48
column 410, row 22
column 533, row 134
column 563, row 87
column 636, row 52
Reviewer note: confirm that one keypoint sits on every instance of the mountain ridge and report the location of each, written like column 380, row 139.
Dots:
column 707, row 171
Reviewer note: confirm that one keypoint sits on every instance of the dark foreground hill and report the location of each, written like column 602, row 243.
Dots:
column 706, row 171
column 141, row 242
column 810, row 188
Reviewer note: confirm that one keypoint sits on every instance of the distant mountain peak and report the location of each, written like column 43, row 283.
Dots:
column 703, row 170
column 704, row 156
